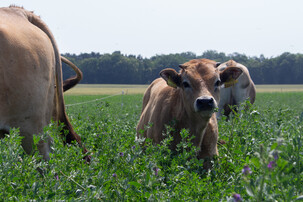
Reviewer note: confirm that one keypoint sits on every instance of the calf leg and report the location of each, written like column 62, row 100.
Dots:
column 209, row 143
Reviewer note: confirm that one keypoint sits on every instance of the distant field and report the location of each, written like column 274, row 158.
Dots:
column 109, row 89
column 279, row 88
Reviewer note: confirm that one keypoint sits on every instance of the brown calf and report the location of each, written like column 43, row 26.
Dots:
column 189, row 98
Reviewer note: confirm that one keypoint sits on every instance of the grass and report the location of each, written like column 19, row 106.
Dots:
column 106, row 89
column 266, row 140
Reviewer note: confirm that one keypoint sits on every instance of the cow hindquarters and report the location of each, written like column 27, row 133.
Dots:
column 27, row 85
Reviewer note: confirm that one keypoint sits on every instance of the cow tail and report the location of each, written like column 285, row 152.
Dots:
column 71, row 82
column 60, row 106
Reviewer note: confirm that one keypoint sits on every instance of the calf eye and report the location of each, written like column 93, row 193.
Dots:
column 218, row 82
column 186, row 84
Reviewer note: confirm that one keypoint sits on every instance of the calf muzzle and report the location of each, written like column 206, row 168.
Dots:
column 205, row 103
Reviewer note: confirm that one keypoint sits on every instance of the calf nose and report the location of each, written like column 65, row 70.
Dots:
column 204, row 103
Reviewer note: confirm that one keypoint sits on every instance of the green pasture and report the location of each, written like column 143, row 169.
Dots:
column 261, row 160
column 106, row 89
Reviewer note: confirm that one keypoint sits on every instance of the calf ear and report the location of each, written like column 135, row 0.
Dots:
column 171, row 77
column 230, row 75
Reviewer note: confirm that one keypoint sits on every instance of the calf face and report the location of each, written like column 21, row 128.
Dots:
column 200, row 82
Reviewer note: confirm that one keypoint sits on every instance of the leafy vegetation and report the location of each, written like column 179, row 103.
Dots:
column 117, row 68
column 261, row 160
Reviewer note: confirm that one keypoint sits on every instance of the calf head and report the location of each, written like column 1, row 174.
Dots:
column 199, row 82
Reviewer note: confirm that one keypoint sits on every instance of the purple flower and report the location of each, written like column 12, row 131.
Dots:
column 275, row 155
column 237, row 197
column 156, row 170
column 271, row 165
column 134, row 147
column 121, row 154
column 56, row 176
column 246, row 170
column 114, row 175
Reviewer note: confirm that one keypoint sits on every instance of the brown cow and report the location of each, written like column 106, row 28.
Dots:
column 239, row 92
column 188, row 98
column 31, row 87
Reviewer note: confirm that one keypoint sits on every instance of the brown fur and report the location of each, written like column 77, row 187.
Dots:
column 31, row 83
column 164, row 103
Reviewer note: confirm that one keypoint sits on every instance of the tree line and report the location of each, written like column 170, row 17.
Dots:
column 117, row 68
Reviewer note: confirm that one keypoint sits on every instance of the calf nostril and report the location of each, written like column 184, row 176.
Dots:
column 205, row 101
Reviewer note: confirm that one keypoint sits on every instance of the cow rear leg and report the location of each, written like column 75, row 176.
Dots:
column 44, row 147
column 209, row 144
column 27, row 142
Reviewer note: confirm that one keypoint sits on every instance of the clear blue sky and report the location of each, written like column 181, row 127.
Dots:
column 150, row 27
